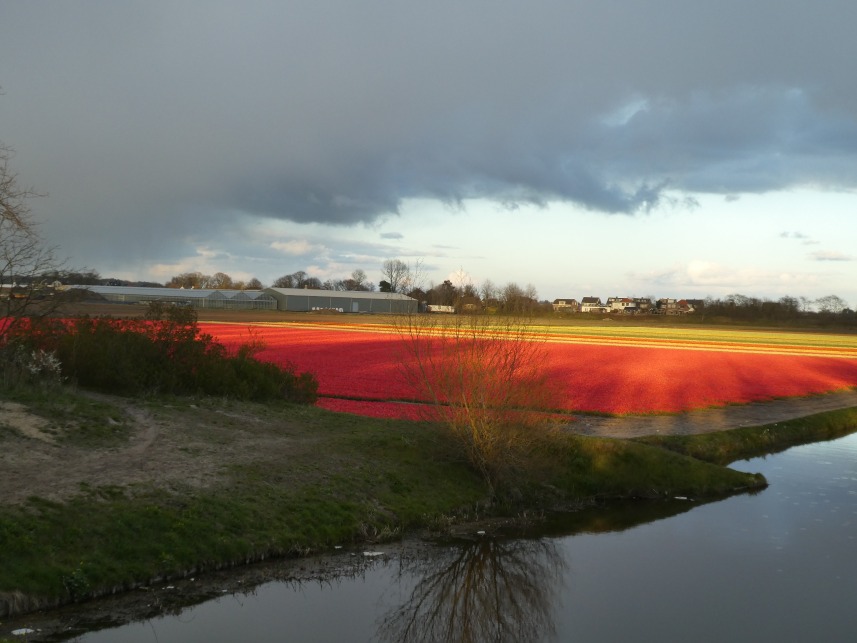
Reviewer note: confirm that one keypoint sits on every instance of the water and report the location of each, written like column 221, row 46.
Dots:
column 779, row 565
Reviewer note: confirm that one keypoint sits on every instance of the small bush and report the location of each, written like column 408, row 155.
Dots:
column 21, row 365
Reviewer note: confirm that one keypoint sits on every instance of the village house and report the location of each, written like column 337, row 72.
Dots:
column 592, row 305
column 566, row 306
column 621, row 305
column 674, row 307
column 644, row 304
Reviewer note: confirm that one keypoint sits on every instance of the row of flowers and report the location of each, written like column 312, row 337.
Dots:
column 357, row 368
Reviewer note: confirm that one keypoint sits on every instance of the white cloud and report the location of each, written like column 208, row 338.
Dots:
column 830, row 255
column 296, row 247
column 707, row 278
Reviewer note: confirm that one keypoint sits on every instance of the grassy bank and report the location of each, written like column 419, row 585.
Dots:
column 749, row 442
column 239, row 481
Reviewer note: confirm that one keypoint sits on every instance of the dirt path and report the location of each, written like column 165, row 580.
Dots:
column 717, row 419
column 166, row 446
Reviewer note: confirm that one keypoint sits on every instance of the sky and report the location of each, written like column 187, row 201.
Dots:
column 615, row 148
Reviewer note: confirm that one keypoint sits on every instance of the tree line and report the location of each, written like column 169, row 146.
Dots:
column 737, row 307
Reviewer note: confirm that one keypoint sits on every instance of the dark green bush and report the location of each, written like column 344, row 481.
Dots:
column 164, row 353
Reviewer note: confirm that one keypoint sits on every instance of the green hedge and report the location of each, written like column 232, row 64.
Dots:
column 163, row 353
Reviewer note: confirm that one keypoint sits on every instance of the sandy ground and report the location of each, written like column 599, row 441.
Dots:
column 192, row 444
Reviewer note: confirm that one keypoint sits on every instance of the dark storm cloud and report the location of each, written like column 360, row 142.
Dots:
column 165, row 116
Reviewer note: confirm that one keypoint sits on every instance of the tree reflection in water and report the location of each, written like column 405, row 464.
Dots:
column 488, row 590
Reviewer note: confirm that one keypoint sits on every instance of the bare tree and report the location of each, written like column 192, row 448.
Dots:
column 396, row 274
column 189, row 280
column 299, row 279
column 252, row 284
column 286, row 281
column 359, row 280
column 831, row 304
column 221, row 281
column 488, row 293
column 486, row 590
column 485, row 379
column 24, row 257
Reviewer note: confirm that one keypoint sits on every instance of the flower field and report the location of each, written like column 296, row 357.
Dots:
column 608, row 370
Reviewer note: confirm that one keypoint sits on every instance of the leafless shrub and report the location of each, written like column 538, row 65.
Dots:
column 24, row 257
column 485, row 377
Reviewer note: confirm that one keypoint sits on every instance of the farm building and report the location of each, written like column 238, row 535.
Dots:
column 346, row 301
column 225, row 299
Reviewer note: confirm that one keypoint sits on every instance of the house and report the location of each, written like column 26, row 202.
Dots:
column 621, row 305
column 696, row 304
column 674, row 307
column 468, row 304
column 592, row 305
column 565, row 306
column 644, row 305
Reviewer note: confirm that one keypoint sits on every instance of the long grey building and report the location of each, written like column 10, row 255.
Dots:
column 289, row 299
column 345, row 301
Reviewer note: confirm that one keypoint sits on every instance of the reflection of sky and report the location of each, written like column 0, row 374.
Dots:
column 774, row 566
column 343, row 610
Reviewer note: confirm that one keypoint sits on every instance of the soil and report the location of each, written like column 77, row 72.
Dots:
column 189, row 444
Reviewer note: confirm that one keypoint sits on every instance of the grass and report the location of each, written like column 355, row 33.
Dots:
column 344, row 480
column 71, row 418
column 740, row 444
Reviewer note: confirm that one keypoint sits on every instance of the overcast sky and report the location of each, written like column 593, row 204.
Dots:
column 659, row 147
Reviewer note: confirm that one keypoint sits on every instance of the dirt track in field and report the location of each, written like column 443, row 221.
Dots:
column 715, row 419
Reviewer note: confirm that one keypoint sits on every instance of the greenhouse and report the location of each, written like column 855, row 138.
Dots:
column 202, row 298
column 343, row 301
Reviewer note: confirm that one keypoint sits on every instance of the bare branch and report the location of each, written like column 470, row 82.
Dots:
column 484, row 376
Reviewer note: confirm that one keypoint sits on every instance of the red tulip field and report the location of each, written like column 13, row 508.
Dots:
column 623, row 370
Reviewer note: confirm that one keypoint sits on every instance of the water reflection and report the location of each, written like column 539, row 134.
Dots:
column 487, row 590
